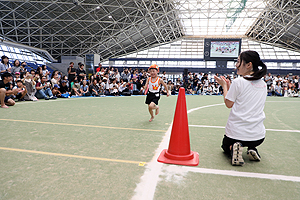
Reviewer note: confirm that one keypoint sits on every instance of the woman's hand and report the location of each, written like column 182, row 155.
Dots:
column 223, row 81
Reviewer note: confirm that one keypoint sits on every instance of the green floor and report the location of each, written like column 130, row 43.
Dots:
column 118, row 129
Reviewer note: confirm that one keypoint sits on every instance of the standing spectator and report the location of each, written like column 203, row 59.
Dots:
column 296, row 81
column 117, row 75
column 6, row 91
column 71, row 72
column 44, row 89
column 81, row 74
column 195, row 82
column 98, row 68
column 268, row 79
column 126, row 75
column 4, row 65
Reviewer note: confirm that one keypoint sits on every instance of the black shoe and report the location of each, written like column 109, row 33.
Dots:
column 237, row 157
column 53, row 97
column 253, row 155
column 46, row 98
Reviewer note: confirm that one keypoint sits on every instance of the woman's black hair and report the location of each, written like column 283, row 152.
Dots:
column 15, row 63
column 2, row 58
column 253, row 57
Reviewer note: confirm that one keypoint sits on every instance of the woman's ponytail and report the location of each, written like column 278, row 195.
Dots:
column 253, row 56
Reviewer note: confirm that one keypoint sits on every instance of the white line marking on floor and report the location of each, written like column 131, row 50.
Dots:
column 223, row 127
column 282, row 101
column 242, row 174
column 145, row 190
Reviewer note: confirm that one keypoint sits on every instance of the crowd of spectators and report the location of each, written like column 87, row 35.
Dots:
column 41, row 84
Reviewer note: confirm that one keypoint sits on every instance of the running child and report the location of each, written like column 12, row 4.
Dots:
column 153, row 93
column 246, row 96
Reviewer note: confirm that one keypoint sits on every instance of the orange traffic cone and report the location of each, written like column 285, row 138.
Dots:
column 179, row 152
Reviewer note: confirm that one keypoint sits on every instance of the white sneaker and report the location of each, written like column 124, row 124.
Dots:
column 237, row 154
column 253, row 155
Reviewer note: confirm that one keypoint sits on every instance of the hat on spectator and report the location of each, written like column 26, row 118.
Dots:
column 55, row 85
column 154, row 66
column 17, row 73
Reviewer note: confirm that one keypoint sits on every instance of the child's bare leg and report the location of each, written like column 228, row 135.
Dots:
column 150, row 108
column 156, row 110
column 2, row 97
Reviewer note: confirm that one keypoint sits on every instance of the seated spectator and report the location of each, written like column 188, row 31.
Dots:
column 85, row 88
column 30, row 86
column 94, row 88
column 189, row 89
column 32, row 72
column 44, row 89
column 6, row 91
column 209, row 89
column 122, row 86
column 215, row 89
column 17, row 77
column 22, row 90
column 55, row 78
column 64, row 89
column 55, row 91
column 278, row 89
column 76, row 90
column 4, row 65
column 199, row 88
column 23, row 69
column 45, row 71
column 113, row 88
column 16, row 67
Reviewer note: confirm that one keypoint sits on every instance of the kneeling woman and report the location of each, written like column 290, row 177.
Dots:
column 246, row 96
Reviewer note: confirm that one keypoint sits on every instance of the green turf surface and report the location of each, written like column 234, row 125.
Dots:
column 26, row 175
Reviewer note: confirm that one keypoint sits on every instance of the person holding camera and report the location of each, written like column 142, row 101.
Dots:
column 6, row 91
column 43, row 88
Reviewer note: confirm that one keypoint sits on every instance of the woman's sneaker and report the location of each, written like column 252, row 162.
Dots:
column 253, row 155
column 237, row 157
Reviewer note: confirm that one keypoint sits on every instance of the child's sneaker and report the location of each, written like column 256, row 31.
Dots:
column 253, row 155
column 237, row 157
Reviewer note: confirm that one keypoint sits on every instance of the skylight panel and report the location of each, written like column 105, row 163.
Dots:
column 235, row 16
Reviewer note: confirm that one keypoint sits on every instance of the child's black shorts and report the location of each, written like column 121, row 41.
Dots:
column 152, row 97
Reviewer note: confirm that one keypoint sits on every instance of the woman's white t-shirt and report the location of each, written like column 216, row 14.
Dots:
column 245, row 121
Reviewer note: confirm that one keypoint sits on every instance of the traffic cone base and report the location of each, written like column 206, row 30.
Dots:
column 191, row 160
